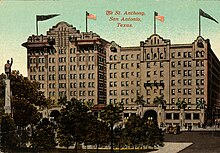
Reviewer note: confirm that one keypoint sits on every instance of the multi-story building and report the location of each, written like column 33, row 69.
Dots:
column 179, row 72
column 89, row 68
column 68, row 62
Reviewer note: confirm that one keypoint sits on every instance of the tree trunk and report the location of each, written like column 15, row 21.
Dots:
column 97, row 148
column 76, row 147
column 134, row 147
column 32, row 134
column 86, row 148
column 111, row 130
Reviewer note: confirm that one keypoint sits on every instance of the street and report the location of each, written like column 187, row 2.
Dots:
column 203, row 142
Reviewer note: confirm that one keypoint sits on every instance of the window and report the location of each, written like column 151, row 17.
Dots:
column 173, row 55
column 138, row 65
column 189, row 54
column 195, row 116
column 188, row 116
column 148, row 64
column 173, row 91
column 189, row 63
column 189, row 73
column 173, row 73
column 176, row 116
column 168, row 116
column 185, row 54
column 202, row 72
column 189, row 91
column 202, row 81
column 148, row 73
column 161, row 64
column 197, row 72
column 189, row 82
column 161, row 73
column 173, row 82
column 179, row 54
column 184, row 82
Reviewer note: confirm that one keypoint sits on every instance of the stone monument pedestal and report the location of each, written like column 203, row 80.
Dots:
column 7, row 97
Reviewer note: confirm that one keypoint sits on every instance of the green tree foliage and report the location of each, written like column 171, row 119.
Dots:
column 9, row 139
column 140, row 100
column 71, row 119
column 65, row 139
column 134, row 130
column 200, row 104
column 119, row 137
column 99, row 134
column 22, row 88
column 111, row 115
column 181, row 104
column 160, row 100
column 155, row 136
column 25, row 114
column 44, row 135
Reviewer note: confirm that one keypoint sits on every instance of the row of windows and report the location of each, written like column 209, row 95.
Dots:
column 187, row 82
column 188, row 116
column 125, row 57
column 199, row 91
column 62, row 59
column 123, row 100
column 179, row 54
column 33, row 69
column 154, row 64
column 34, row 60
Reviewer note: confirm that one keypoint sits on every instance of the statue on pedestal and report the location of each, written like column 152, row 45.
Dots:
column 7, row 87
column 8, row 67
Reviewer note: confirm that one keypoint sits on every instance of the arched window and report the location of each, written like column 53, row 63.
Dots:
column 202, row 54
column 197, row 53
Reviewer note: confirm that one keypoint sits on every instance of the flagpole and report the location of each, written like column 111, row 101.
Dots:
column 199, row 24
column 36, row 26
column 154, row 24
column 86, row 20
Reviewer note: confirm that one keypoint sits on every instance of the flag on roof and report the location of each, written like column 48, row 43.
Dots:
column 202, row 13
column 159, row 17
column 91, row 16
column 45, row 17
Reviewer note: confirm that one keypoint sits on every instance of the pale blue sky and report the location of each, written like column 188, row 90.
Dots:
column 17, row 18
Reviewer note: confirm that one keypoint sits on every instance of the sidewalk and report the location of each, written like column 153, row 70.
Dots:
column 173, row 147
column 213, row 128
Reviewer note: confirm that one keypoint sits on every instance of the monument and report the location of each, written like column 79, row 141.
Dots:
column 7, row 87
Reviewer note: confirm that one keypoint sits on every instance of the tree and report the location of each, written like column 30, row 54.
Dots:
column 133, row 130
column 200, row 104
column 140, row 100
column 181, row 104
column 160, row 100
column 22, row 88
column 44, row 135
column 64, row 139
column 154, row 136
column 111, row 115
column 71, row 119
column 99, row 134
column 9, row 137
column 119, row 137
column 25, row 114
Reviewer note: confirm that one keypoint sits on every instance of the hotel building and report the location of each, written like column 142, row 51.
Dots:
column 89, row 68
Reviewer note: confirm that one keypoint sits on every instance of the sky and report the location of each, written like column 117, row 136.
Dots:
column 18, row 22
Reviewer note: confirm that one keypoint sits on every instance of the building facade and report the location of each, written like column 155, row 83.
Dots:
column 178, row 72
column 68, row 62
column 89, row 68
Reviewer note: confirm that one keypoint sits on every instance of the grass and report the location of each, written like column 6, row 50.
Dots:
column 101, row 150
